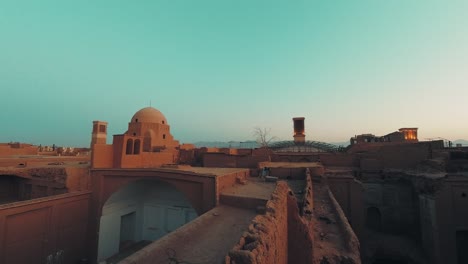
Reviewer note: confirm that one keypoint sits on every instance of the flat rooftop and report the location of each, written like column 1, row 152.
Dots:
column 255, row 188
column 38, row 161
column 178, row 169
column 207, row 170
column 330, row 238
column 207, row 239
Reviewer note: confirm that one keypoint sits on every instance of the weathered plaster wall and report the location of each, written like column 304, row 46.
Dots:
column 7, row 150
column 30, row 231
column 266, row 241
column 279, row 236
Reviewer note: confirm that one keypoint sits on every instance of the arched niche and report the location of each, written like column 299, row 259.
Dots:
column 141, row 211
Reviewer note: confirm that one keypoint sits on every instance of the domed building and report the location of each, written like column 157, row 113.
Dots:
column 147, row 143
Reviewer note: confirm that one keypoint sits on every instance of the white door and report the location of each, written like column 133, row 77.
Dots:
column 175, row 218
column 190, row 214
column 153, row 222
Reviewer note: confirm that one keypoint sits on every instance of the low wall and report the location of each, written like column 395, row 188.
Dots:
column 300, row 234
column 7, row 150
column 33, row 230
column 350, row 238
column 231, row 179
column 228, row 180
column 280, row 236
column 308, row 205
column 267, row 238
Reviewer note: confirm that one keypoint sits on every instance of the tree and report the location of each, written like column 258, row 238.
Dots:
column 263, row 136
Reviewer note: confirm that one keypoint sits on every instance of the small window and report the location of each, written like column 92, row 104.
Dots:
column 129, row 149
column 164, row 136
column 163, row 122
column 136, row 147
column 102, row 128
column 134, row 134
column 136, row 120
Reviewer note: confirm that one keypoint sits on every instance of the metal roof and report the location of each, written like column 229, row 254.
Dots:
column 308, row 146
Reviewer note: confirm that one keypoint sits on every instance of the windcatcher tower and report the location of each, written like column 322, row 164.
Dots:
column 99, row 135
column 411, row 134
column 299, row 136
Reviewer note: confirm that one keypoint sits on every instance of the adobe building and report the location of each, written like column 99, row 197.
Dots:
column 138, row 200
column 403, row 135
column 147, row 143
column 16, row 148
column 141, row 198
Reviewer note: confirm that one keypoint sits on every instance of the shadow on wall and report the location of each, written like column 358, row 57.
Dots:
column 145, row 210
column 374, row 219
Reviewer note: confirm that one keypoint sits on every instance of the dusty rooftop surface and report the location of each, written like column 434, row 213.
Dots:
column 290, row 164
column 199, row 171
column 297, row 186
column 38, row 161
column 205, row 170
column 205, row 240
column 339, row 169
column 254, row 188
column 329, row 237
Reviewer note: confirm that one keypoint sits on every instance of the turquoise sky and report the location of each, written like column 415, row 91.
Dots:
column 217, row 69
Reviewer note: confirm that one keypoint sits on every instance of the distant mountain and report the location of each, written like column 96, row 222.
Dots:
column 229, row 144
column 343, row 143
column 461, row 141
column 245, row 144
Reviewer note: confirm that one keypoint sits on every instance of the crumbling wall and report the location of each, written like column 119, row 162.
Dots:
column 300, row 231
column 308, row 204
column 228, row 180
column 280, row 236
column 266, row 241
column 231, row 179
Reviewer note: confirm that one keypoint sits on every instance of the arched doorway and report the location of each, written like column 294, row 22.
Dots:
column 374, row 219
column 141, row 211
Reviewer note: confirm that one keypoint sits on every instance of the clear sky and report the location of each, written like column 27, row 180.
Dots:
column 219, row 68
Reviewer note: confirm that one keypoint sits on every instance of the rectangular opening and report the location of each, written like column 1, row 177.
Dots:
column 299, row 126
column 127, row 230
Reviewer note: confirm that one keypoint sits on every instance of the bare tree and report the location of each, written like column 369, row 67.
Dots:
column 263, row 136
